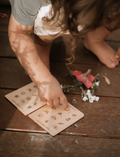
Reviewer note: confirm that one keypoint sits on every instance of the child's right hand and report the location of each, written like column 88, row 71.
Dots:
column 50, row 93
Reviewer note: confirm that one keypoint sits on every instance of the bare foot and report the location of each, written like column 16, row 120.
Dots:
column 103, row 51
column 118, row 54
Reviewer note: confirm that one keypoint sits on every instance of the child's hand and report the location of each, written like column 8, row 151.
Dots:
column 50, row 93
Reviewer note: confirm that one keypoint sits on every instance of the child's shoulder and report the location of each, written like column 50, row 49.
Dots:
column 25, row 11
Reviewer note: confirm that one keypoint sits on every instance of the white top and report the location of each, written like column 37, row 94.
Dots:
column 39, row 27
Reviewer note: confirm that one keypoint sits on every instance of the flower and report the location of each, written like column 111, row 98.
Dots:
column 86, row 78
column 88, row 96
column 3, row 15
column 97, row 98
column 91, row 101
column 97, row 83
column 61, row 86
column 85, row 98
column 88, row 92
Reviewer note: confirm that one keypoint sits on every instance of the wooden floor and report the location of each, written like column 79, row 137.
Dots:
column 96, row 135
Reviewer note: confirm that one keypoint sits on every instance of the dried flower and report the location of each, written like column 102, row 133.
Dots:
column 107, row 80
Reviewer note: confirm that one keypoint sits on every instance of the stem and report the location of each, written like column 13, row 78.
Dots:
column 69, row 70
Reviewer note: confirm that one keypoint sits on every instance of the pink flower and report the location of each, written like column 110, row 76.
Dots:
column 3, row 15
column 86, row 78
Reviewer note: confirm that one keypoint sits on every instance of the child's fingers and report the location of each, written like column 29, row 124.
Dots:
column 50, row 103
column 56, row 102
column 64, row 102
column 43, row 101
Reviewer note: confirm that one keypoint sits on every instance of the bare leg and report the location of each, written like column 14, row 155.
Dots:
column 43, row 49
column 94, row 41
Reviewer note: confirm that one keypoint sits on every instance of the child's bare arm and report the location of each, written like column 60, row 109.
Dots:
column 25, row 50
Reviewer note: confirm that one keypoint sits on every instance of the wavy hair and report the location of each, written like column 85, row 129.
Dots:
column 82, row 16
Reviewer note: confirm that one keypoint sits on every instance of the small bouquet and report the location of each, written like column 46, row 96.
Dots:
column 82, row 81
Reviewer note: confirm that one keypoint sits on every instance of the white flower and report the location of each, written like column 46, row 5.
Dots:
column 93, row 97
column 88, row 91
column 91, row 100
column 97, row 83
column 61, row 86
column 97, row 98
column 85, row 98
column 89, row 95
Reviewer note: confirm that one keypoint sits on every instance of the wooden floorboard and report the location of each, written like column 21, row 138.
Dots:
column 101, row 118
column 105, row 90
column 11, row 71
column 58, row 51
column 4, row 22
column 5, row 50
column 13, row 76
column 22, row 144
column 85, row 56
column 97, row 134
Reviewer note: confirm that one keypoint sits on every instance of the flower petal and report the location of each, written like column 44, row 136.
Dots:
column 86, row 81
column 76, row 72
column 88, row 84
column 84, row 77
column 91, row 78
column 3, row 15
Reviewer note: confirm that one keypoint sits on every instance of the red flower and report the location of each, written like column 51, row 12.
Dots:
column 3, row 15
column 86, row 78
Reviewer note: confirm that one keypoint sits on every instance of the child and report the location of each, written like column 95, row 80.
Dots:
column 93, row 19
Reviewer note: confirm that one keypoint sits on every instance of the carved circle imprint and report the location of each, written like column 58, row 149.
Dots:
column 40, row 115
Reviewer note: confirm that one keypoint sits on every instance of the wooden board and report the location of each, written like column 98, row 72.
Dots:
column 102, row 119
column 97, row 134
column 59, row 70
column 85, row 56
column 58, row 51
column 82, row 55
column 4, row 2
column 20, row 144
column 4, row 22
column 13, row 76
column 6, row 50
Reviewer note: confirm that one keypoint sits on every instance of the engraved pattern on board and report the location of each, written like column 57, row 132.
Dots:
column 56, row 120
column 26, row 99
